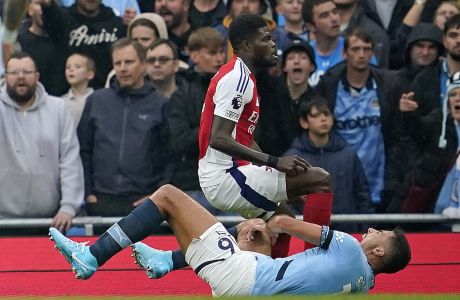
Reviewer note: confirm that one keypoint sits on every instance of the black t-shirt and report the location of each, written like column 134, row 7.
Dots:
column 50, row 62
column 210, row 18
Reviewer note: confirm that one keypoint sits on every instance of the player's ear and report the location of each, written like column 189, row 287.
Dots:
column 378, row 251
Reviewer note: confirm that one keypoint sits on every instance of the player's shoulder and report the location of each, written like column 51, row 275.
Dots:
column 342, row 239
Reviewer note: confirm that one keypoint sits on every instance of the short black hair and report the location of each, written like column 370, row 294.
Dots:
column 245, row 28
column 307, row 9
column 452, row 22
column 317, row 101
column 399, row 253
column 166, row 42
column 21, row 55
column 359, row 33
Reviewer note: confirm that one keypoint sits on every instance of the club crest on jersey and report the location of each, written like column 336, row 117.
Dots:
column 237, row 101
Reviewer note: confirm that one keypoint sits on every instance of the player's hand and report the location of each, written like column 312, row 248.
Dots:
column 292, row 165
column 261, row 227
column 407, row 103
column 129, row 15
column 62, row 221
column 91, row 199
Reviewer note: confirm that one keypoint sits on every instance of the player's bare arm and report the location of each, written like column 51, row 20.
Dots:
column 303, row 230
column 221, row 140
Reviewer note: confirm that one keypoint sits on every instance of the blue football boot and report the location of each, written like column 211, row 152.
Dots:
column 157, row 263
column 84, row 264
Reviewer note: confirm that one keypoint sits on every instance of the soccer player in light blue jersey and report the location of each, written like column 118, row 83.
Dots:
column 340, row 264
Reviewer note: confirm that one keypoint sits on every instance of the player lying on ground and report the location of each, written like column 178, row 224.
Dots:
column 339, row 264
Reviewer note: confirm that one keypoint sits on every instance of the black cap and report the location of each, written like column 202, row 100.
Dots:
column 301, row 45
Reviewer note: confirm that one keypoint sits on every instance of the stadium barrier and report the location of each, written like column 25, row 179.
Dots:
column 90, row 222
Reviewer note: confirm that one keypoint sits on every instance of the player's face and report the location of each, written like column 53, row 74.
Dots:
column 318, row 122
column 143, row 35
column 240, row 7
column 443, row 13
column 454, row 101
column 423, row 53
column 76, row 70
column 298, row 67
column 208, row 60
column 376, row 238
column 264, row 49
column 292, row 10
column 326, row 20
column 451, row 42
column 161, row 65
column 173, row 12
column 129, row 69
column 358, row 54
column 21, row 79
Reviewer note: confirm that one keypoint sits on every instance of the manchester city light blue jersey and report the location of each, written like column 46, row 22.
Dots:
column 342, row 268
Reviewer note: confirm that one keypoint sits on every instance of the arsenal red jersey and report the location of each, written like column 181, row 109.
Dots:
column 232, row 94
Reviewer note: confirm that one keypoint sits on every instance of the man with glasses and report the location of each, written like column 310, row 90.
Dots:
column 162, row 65
column 122, row 137
column 40, row 166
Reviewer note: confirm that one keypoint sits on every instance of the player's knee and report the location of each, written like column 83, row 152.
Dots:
column 323, row 177
column 162, row 197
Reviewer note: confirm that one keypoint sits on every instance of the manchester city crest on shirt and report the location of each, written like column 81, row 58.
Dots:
column 375, row 103
column 237, row 101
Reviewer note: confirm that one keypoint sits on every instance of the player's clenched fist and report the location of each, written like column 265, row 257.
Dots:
column 292, row 165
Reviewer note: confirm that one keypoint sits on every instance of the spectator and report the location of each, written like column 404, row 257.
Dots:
column 238, row 7
column 122, row 138
column 322, row 19
column 281, row 97
column 40, row 165
column 206, row 48
column 389, row 14
column 294, row 27
column 423, row 49
column 360, row 97
column 206, row 13
column 444, row 11
column 429, row 87
column 127, row 9
column 323, row 148
column 162, row 66
column 175, row 13
column 79, row 71
column 145, row 29
column 352, row 15
column 86, row 27
column 36, row 41
column 146, row 6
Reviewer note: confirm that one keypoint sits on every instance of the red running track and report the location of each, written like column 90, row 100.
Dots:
column 30, row 266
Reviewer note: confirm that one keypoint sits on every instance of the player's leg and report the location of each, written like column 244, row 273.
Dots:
column 316, row 184
column 185, row 216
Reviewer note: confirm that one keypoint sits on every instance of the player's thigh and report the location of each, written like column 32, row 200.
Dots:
column 314, row 180
column 186, row 217
column 248, row 187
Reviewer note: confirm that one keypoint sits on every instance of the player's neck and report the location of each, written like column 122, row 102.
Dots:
column 248, row 62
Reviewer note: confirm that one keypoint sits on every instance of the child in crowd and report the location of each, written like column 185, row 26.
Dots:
column 325, row 149
column 79, row 71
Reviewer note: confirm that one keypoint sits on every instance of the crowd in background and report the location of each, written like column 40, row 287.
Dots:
column 101, row 101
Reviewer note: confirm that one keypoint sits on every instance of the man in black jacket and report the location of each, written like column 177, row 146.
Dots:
column 206, row 47
column 360, row 97
column 123, row 137
column 87, row 27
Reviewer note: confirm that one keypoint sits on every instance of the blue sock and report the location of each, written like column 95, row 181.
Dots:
column 133, row 228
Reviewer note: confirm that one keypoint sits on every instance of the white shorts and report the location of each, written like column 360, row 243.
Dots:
column 251, row 190
column 218, row 260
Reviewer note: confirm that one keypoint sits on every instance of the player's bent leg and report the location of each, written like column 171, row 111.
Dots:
column 315, row 180
column 186, row 217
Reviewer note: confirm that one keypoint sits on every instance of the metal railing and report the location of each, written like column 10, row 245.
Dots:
column 90, row 222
